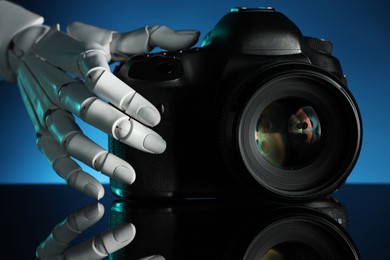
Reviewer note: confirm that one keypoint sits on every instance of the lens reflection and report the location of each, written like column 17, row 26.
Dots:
column 304, row 129
column 291, row 250
column 288, row 133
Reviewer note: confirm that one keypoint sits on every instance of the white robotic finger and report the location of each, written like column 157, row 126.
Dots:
column 82, row 148
column 153, row 257
column 171, row 40
column 80, row 180
column 54, row 246
column 121, row 127
column 62, row 126
column 90, row 33
column 122, row 45
column 110, row 120
column 105, row 84
column 145, row 39
column 106, row 243
column 69, row 170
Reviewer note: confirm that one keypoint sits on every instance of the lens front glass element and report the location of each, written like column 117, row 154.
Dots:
column 291, row 250
column 288, row 133
column 299, row 132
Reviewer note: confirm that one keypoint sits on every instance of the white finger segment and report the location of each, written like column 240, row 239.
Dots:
column 62, row 126
column 130, row 43
column 110, row 120
column 66, row 231
column 171, row 40
column 84, row 218
column 100, row 246
column 51, row 248
column 74, row 97
column 143, row 40
column 106, row 118
column 92, row 59
column 78, row 179
column 153, row 257
column 90, row 33
column 145, row 139
column 94, row 111
column 69, row 170
column 122, row 128
column 142, row 110
column 82, row 148
column 107, row 85
column 116, row 238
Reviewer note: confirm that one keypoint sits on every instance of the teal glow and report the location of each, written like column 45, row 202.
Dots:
column 119, row 192
column 206, row 40
column 238, row 9
column 265, row 8
column 118, row 207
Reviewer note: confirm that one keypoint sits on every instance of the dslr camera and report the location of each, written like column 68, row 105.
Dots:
column 258, row 109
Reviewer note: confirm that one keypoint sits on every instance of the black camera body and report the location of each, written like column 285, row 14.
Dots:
column 258, row 109
column 235, row 229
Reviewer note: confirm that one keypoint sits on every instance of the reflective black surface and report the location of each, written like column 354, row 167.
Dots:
column 29, row 213
column 232, row 229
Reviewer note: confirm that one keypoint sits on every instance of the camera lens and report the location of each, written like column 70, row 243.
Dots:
column 288, row 133
column 302, row 237
column 298, row 130
column 291, row 248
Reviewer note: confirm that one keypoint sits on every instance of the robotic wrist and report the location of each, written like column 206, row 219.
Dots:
column 26, row 19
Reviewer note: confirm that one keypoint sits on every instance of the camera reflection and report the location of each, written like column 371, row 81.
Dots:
column 205, row 229
column 211, row 229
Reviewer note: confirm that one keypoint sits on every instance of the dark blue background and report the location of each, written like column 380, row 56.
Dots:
column 359, row 30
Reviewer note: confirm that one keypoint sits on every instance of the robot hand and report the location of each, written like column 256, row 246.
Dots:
column 65, row 74
column 57, row 244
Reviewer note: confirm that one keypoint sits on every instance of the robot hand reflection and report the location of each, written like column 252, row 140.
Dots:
column 61, row 74
column 57, row 244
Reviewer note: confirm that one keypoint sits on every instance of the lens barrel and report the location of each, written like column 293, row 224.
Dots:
column 299, row 130
column 301, row 237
